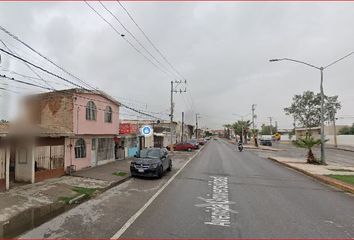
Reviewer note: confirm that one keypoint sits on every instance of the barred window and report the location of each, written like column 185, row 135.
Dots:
column 80, row 148
column 108, row 114
column 91, row 111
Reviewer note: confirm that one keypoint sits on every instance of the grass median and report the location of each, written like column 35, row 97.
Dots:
column 344, row 178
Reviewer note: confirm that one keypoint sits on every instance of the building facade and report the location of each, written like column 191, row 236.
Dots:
column 59, row 132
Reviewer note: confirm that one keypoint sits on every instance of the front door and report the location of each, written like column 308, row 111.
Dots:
column 94, row 152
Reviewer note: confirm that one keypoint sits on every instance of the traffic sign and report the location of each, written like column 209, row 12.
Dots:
column 146, row 130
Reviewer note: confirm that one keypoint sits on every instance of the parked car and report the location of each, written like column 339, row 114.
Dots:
column 185, row 146
column 151, row 162
column 195, row 143
column 265, row 141
column 201, row 141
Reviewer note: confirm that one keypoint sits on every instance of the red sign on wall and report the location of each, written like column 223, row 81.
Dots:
column 128, row 128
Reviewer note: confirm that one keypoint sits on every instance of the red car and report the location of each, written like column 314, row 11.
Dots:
column 182, row 147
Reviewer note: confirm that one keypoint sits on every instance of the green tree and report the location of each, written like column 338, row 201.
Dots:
column 306, row 108
column 4, row 121
column 308, row 142
column 268, row 130
column 208, row 134
column 241, row 128
column 347, row 130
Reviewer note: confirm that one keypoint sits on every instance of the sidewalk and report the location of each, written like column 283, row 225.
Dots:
column 343, row 148
column 51, row 192
column 320, row 172
column 113, row 173
column 267, row 148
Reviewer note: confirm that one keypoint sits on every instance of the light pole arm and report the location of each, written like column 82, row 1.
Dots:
column 294, row 60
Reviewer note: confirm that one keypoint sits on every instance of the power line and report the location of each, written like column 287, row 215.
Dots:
column 133, row 36
column 37, row 52
column 149, row 40
column 23, row 82
column 29, row 67
column 8, row 90
column 33, row 78
column 57, row 76
column 40, row 68
column 123, row 36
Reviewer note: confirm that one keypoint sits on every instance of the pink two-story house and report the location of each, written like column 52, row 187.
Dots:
column 85, row 125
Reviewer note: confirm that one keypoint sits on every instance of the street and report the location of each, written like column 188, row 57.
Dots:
column 222, row 193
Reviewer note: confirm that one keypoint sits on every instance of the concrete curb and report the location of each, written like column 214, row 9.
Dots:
column 116, row 183
column 341, row 149
column 77, row 199
column 330, row 181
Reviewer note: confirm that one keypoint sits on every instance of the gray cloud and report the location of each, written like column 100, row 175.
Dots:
column 222, row 48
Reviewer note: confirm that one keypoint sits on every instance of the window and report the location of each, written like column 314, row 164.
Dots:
column 150, row 153
column 108, row 114
column 80, row 148
column 91, row 111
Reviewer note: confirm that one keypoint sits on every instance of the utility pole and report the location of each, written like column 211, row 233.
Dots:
column 253, row 115
column 253, row 125
column 196, row 125
column 171, row 117
column 270, row 126
column 174, row 85
column 182, row 126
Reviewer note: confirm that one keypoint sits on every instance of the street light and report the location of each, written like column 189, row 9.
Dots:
column 321, row 69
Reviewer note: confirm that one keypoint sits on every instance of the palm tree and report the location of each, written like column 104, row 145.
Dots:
column 227, row 126
column 241, row 128
column 308, row 142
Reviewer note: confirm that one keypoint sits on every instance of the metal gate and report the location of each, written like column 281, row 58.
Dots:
column 105, row 149
column 49, row 157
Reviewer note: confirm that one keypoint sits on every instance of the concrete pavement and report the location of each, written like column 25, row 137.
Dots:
column 33, row 202
column 102, row 216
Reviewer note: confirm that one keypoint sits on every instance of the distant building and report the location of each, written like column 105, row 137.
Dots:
column 316, row 131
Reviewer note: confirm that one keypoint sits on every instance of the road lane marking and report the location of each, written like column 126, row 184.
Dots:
column 148, row 203
column 219, row 204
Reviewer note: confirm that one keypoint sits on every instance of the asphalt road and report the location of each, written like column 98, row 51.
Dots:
column 223, row 193
column 220, row 193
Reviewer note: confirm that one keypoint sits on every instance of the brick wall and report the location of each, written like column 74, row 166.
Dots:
column 43, row 175
column 57, row 111
column 2, row 185
column 51, row 109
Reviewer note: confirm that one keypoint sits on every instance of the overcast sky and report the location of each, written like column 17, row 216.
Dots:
column 221, row 48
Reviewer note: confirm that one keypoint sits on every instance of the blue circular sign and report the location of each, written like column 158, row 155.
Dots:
column 146, row 130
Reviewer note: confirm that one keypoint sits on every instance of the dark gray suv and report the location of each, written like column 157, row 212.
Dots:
column 151, row 162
